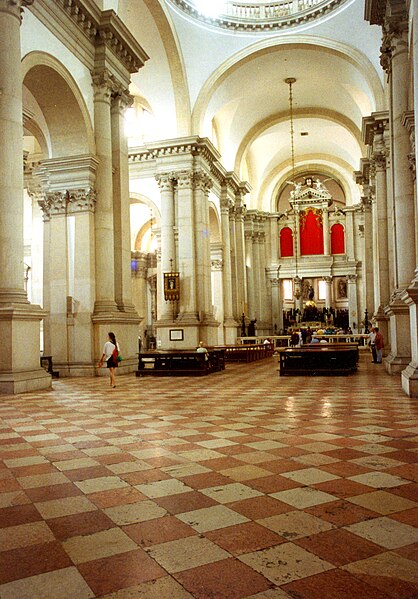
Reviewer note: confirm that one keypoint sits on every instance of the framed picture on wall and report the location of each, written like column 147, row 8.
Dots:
column 176, row 335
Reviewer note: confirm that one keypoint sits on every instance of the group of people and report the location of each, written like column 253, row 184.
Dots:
column 376, row 345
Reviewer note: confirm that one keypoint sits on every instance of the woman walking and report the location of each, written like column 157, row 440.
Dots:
column 109, row 357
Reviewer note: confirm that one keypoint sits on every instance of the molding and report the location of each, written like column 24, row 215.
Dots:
column 66, row 19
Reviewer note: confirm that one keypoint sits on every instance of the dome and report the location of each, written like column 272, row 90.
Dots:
column 256, row 15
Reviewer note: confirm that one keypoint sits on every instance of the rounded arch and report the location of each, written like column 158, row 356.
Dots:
column 63, row 107
column 274, row 44
column 298, row 113
column 328, row 166
column 167, row 31
column 214, row 224
column 144, row 216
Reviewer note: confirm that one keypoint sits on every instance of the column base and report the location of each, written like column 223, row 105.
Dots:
column 24, row 382
column 125, row 326
column 20, row 369
column 231, row 329
column 410, row 380
column 395, row 364
column 400, row 335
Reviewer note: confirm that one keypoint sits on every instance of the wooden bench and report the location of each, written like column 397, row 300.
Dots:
column 180, row 363
column 319, row 359
column 246, row 353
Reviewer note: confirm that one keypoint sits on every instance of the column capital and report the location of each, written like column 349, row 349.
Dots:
column 352, row 279
column 165, row 181
column 14, row 7
column 202, row 181
column 121, row 101
column 327, row 280
column 275, row 282
column 105, row 85
column 185, row 179
column 225, row 203
column 217, row 264
column 58, row 203
column 395, row 29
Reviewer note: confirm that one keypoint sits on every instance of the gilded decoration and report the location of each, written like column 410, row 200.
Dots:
column 303, row 215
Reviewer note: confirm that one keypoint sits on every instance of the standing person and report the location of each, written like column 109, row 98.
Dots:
column 372, row 343
column 379, row 345
column 108, row 357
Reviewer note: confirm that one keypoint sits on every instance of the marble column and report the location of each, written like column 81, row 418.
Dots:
column 325, row 220
column 20, row 369
column 274, row 240
column 230, row 324
column 186, row 249
column 367, row 259
column 265, row 297
column 251, row 285
column 276, row 303
column 202, row 185
column 349, row 236
column 410, row 297
column 328, row 293
column 403, row 186
column 121, row 204
column 240, row 255
column 104, row 225
column 381, row 248
column 237, row 308
column 168, row 244
column 256, row 274
column 352, row 299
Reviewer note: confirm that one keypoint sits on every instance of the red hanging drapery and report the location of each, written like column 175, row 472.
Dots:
column 286, row 242
column 337, row 239
column 311, row 232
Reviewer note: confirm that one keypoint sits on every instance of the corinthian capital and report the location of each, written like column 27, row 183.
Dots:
column 105, row 85
column 185, row 180
column 202, row 181
column 14, row 7
column 165, row 181
column 82, row 200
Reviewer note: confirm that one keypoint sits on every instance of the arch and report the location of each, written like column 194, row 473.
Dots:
column 337, row 239
column 286, row 242
column 329, row 166
column 70, row 129
column 142, row 231
column 273, row 44
column 298, row 113
column 167, row 31
column 214, row 224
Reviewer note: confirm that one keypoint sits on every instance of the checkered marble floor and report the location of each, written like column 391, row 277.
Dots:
column 240, row 484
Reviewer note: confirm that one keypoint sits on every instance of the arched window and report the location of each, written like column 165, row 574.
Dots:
column 311, row 232
column 337, row 239
column 286, row 242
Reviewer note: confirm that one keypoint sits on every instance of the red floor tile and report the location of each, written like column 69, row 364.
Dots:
column 227, row 579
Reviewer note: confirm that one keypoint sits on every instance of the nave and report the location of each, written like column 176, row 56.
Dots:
column 239, row 485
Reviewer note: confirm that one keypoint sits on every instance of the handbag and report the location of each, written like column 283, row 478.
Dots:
column 119, row 358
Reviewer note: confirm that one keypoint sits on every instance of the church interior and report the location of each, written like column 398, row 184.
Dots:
column 192, row 174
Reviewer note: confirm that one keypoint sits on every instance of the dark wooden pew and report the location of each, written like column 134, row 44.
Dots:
column 319, row 359
column 180, row 362
column 246, row 353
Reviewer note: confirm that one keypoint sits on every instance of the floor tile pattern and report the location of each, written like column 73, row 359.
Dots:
column 239, row 485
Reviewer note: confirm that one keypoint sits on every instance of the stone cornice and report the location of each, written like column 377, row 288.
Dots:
column 115, row 35
column 374, row 11
column 373, row 124
column 100, row 30
column 194, row 146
